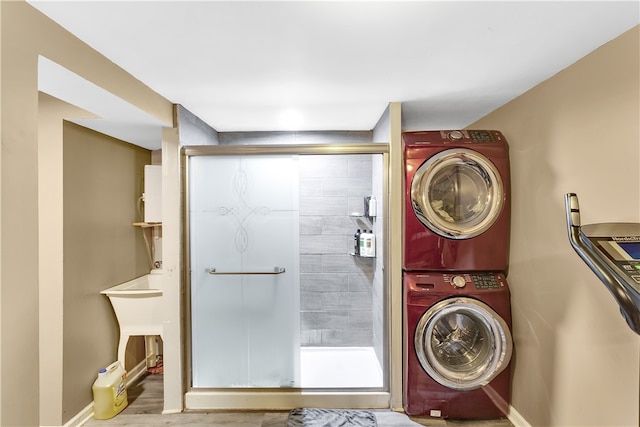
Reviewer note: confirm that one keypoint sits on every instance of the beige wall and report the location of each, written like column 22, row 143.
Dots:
column 103, row 179
column 51, row 112
column 25, row 34
column 576, row 361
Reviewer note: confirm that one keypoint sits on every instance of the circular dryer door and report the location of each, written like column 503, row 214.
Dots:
column 457, row 193
column 462, row 343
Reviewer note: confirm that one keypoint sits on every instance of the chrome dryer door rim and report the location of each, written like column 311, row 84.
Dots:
column 462, row 343
column 457, row 193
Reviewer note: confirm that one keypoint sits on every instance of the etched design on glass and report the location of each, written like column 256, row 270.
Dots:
column 241, row 211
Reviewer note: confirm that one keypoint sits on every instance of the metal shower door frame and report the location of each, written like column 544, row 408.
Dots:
column 197, row 398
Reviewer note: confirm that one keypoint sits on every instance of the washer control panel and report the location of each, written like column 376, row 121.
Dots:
column 485, row 281
column 481, row 281
column 462, row 136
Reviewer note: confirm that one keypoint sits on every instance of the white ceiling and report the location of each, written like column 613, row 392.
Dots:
column 333, row 65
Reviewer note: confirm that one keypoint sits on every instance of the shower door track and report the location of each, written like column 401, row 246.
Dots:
column 265, row 149
column 285, row 398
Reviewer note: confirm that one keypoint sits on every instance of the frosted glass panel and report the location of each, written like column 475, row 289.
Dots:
column 243, row 217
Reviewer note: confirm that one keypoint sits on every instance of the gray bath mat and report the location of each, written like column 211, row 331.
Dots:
column 315, row 417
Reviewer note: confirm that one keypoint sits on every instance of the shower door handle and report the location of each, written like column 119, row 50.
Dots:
column 276, row 270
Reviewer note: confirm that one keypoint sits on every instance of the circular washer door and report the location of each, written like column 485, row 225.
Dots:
column 462, row 343
column 457, row 193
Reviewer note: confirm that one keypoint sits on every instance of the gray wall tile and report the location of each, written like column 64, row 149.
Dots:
column 311, row 337
column 310, row 263
column 324, row 205
column 310, row 225
column 323, row 244
column 342, row 225
column 360, row 282
column 336, row 289
column 325, row 320
column 309, row 187
column 311, row 301
column 322, row 166
column 354, row 337
column 350, row 301
column 355, row 187
column 360, row 319
column 335, row 282
column 360, row 167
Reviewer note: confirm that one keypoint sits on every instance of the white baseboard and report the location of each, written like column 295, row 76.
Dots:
column 87, row 412
column 81, row 417
column 516, row 419
column 136, row 372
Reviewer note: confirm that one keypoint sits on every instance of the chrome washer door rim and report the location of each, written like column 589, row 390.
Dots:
column 454, row 219
column 483, row 363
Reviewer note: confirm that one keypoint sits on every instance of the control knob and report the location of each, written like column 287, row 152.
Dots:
column 455, row 135
column 458, row 281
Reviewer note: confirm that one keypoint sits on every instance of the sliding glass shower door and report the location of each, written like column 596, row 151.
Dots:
column 244, row 267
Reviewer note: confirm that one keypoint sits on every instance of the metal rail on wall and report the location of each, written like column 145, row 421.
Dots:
column 612, row 252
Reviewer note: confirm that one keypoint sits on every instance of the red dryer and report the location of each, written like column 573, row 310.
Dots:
column 456, row 209
column 458, row 345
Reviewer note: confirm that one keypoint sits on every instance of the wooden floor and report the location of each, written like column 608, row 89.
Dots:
column 145, row 409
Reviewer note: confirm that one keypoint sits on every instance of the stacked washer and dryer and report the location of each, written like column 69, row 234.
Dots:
column 457, row 319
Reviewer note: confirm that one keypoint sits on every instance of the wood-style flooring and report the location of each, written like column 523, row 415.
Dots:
column 145, row 410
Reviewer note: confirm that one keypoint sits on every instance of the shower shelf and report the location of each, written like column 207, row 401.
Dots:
column 369, row 220
column 360, row 256
column 361, row 215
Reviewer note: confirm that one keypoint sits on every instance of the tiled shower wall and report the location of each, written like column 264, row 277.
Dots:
column 336, row 288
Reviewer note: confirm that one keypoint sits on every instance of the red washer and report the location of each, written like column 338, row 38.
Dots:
column 458, row 345
column 457, row 213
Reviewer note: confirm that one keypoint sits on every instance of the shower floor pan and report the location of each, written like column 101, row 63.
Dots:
column 340, row 367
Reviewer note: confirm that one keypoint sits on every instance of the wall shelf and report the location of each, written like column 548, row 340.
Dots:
column 147, row 224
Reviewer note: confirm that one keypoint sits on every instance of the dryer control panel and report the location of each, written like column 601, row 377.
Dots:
column 469, row 136
column 473, row 135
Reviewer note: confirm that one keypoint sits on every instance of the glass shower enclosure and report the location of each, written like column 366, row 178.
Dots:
column 249, row 253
